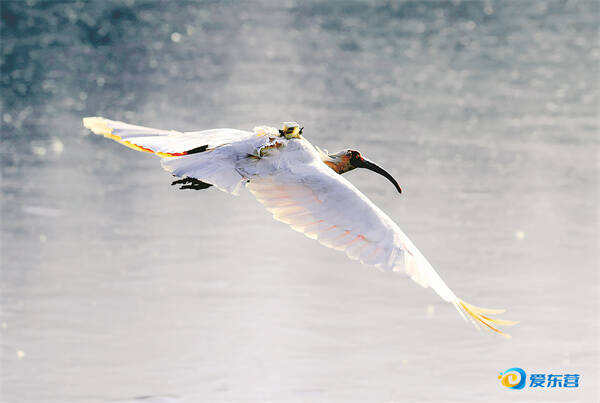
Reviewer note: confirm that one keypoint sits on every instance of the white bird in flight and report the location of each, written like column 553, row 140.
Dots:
column 301, row 185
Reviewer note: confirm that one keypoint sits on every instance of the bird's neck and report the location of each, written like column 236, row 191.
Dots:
column 339, row 165
column 333, row 165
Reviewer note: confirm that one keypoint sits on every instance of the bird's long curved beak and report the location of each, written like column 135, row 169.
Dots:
column 365, row 163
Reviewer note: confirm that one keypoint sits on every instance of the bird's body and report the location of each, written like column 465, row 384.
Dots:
column 300, row 185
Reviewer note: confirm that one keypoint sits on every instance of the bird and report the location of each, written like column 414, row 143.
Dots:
column 301, row 185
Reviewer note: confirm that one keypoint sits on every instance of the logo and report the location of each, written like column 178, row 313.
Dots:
column 513, row 378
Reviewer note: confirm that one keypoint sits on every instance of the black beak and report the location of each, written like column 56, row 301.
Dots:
column 364, row 163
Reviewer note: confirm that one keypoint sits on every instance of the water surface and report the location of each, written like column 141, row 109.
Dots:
column 117, row 287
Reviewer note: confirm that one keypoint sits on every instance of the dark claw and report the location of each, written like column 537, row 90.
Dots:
column 191, row 183
column 177, row 182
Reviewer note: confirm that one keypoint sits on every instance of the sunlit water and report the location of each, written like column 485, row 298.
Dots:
column 117, row 287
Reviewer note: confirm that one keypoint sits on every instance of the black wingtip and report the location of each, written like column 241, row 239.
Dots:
column 197, row 150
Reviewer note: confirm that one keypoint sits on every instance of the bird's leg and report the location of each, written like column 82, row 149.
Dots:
column 191, row 183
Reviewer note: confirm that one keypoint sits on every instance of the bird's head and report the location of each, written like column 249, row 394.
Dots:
column 346, row 160
column 290, row 130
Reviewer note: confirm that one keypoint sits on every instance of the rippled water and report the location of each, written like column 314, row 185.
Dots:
column 117, row 287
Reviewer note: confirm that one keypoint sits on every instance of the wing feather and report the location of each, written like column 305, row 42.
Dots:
column 205, row 155
column 164, row 143
column 323, row 205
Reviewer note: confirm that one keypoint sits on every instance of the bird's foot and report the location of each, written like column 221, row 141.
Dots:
column 191, row 183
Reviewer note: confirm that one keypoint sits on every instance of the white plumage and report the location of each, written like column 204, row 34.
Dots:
column 288, row 176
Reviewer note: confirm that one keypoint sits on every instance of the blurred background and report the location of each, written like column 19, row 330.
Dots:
column 115, row 286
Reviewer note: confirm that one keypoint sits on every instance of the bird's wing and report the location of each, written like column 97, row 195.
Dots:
column 318, row 202
column 164, row 143
column 207, row 155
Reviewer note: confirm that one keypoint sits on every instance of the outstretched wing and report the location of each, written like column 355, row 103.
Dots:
column 204, row 155
column 164, row 143
column 318, row 202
